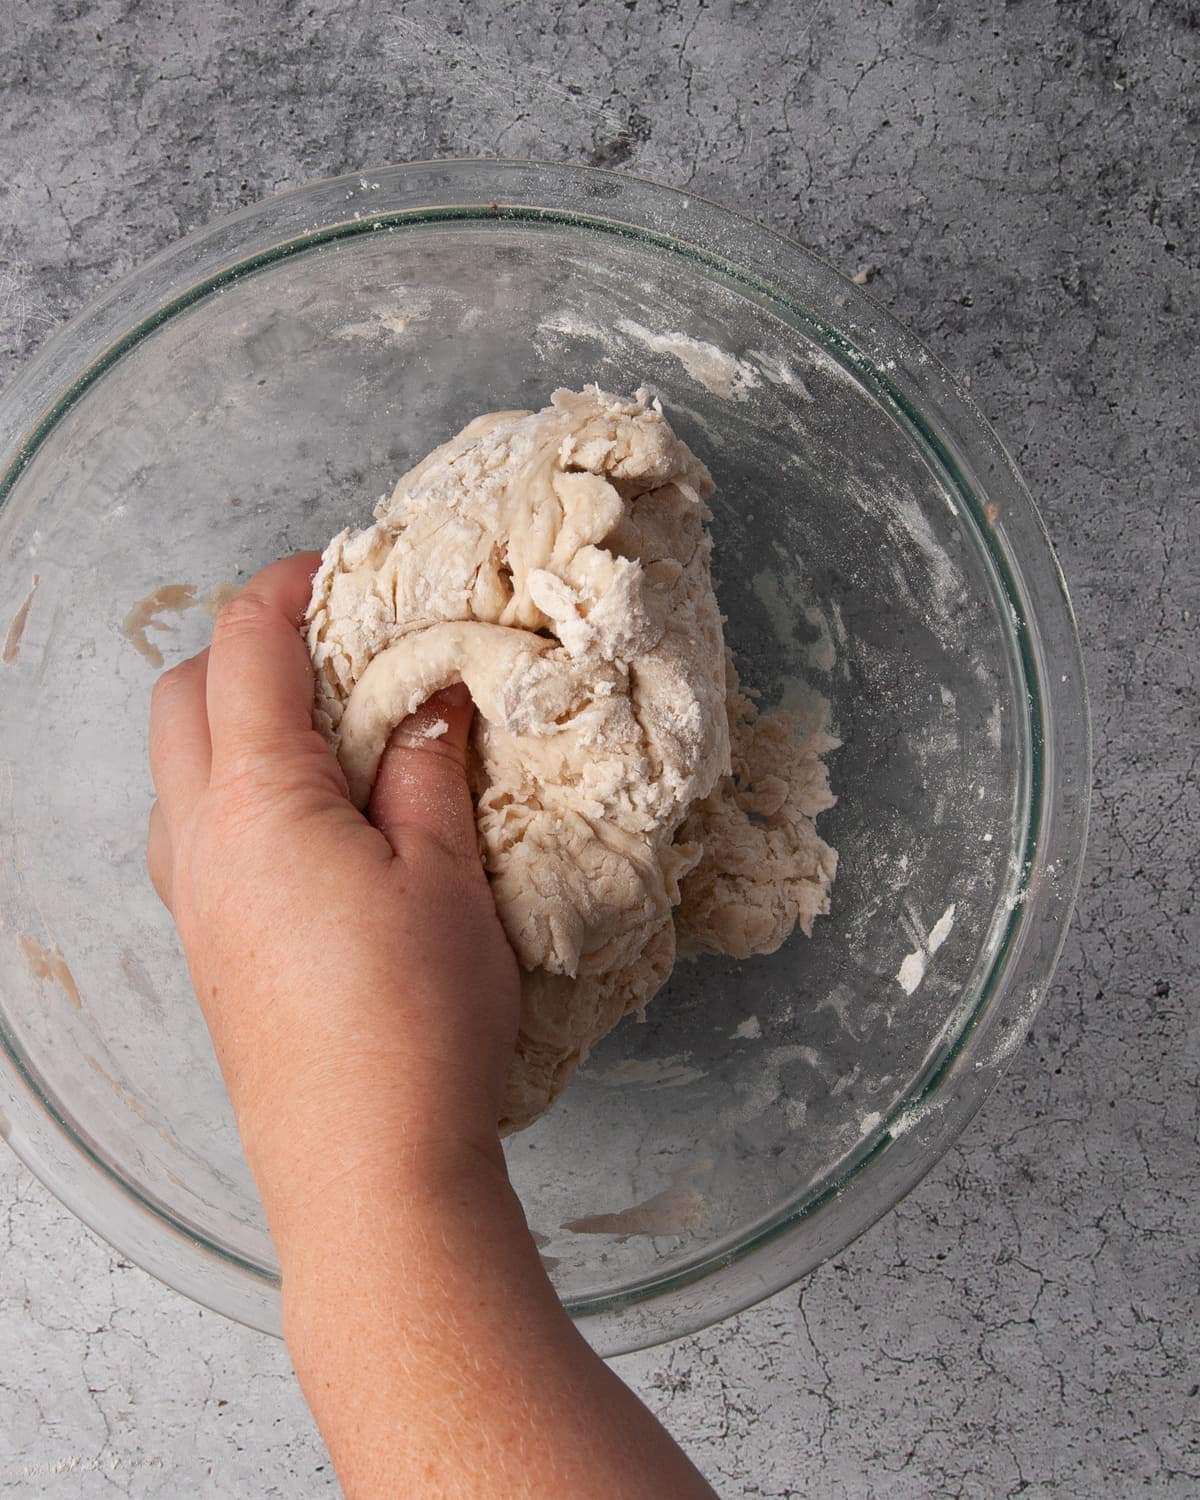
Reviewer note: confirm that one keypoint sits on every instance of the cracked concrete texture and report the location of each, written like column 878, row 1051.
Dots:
column 1017, row 180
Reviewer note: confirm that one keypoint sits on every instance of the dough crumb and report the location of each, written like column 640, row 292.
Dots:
column 218, row 597
column 764, row 869
column 48, row 963
column 168, row 598
column 16, row 628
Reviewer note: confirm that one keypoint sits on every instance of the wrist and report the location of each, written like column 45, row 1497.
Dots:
column 424, row 1249
column 324, row 1134
column 351, row 1204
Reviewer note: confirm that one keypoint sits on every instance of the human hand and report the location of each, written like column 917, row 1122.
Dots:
column 363, row 1001
column 359, row 988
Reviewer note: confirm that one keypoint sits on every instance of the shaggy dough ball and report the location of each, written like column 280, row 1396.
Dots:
column 558, row 563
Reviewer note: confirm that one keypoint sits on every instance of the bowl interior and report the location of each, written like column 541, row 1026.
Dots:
column 267, row 411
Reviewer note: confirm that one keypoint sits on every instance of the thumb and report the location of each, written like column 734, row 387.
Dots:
column 421, row 785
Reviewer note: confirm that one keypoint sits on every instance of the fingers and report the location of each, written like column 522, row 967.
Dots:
column 441, row 726
column 421, row 786
column 259, row 674
column 180, row 752
column 158, row 854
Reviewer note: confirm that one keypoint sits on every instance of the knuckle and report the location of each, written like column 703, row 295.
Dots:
column 286, row 758
column 451, row 852
column 159, row 863
column 268, row 774
column 241, row 617
column 169, row 685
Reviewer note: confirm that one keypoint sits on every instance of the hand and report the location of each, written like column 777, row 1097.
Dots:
column 363, row 1002
column 360, row 991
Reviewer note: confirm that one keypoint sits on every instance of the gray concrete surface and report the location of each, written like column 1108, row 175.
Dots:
column 1017, row 181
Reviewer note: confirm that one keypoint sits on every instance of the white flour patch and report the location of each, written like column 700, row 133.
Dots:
column 748, row 1031
column 911, row 972
column 915, row 1116
column 1008, row 1043
column 941, row 928
column 408, row 305
column 377, row 328
column 573, row 327
column 918, row 531
column 720, row 373
column 778, row 372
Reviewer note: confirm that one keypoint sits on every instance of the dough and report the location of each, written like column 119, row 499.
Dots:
column 765, row 868
column 558, row 563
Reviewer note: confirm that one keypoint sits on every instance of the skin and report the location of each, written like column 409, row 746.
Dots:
column 362, row 1000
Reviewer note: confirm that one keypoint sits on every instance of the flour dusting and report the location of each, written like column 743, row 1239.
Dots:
column 912, row 970
column 779, row 372
column 941, row 928
column 719, row 372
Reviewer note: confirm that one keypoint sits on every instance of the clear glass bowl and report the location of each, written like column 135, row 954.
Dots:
column 254, row 389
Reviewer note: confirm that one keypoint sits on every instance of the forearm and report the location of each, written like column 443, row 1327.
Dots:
column 438, row 1361
column 363, row 1000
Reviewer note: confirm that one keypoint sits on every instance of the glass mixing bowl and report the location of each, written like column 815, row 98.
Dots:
column 256, row 388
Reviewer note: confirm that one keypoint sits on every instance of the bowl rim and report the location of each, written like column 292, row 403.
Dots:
column 900, row 372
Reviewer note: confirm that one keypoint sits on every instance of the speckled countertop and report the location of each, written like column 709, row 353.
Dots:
column 1014, row 180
